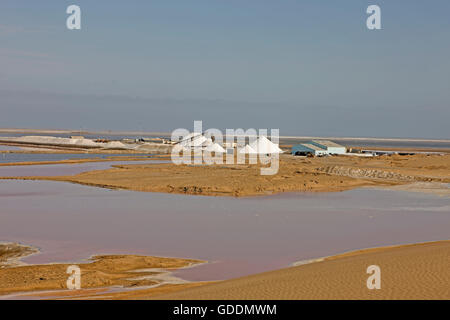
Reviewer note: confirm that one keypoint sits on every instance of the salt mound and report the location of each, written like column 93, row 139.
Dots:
column 215, row 147
column 115, row 145
column 71, row 142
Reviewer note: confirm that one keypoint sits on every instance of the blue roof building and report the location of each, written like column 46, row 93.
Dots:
column 330, row 146
column 305, row 149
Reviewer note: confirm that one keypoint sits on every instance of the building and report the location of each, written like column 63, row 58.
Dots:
column 330, row 146
column 306, row 149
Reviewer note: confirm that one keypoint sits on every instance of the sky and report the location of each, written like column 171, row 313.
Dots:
column 305, row 67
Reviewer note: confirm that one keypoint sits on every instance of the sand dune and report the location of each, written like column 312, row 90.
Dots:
column 420, row 271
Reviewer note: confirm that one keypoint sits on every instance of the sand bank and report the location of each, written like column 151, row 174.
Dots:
column 11, row 253
column 295, row 175
column 418, row 271
column 102, row 271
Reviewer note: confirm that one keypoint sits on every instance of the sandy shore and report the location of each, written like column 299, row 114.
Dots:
column 418, row 271
column 295, row 175
column 102, row 271
column 414, row 271
column 440, row 189
column 11, row 253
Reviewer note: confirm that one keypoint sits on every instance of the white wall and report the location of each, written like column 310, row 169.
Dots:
column 337, row 150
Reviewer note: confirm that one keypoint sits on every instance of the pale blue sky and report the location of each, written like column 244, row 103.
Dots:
column 307, row 67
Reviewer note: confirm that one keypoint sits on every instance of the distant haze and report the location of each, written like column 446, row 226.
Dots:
column 309, row 68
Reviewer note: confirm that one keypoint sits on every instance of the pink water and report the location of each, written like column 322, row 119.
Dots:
column 63, row 169
column 70, row 222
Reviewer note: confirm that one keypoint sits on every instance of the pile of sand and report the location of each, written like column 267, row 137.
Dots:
column 114, row 145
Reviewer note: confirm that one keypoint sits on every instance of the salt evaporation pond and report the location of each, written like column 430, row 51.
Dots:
column 36, row 157
column 70, row 222
column 64, row 169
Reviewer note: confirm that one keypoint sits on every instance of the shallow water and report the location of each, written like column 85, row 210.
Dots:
column 64, row 169
column 8, row 148
column 34, row 157
column 242, row 236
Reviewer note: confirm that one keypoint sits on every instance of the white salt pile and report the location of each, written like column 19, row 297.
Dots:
column 78, row 142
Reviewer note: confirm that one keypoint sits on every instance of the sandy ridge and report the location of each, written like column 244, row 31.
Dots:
column 416, row 271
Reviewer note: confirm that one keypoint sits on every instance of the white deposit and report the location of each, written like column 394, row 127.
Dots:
column 247, row 150
column 69, row 142
column 260, row 146
column 265, row 146
column 215, row 147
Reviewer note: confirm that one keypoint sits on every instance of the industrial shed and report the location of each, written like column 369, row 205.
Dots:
column 330, row 146
column 307, row 149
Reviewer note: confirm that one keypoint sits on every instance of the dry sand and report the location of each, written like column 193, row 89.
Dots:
column 419, row 271
column 415, row 271
column 11, row 253
column 336, row 173
column 101, row 271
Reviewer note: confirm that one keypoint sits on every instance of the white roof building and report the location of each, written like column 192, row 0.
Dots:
column 330, row 146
